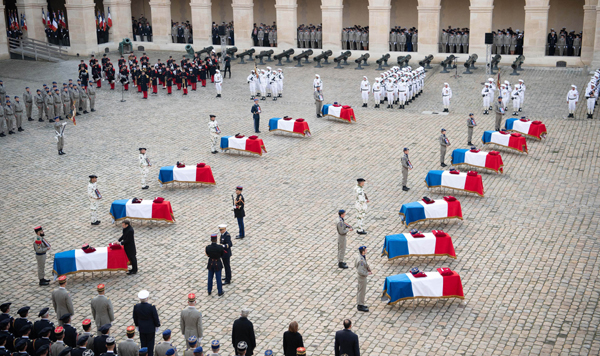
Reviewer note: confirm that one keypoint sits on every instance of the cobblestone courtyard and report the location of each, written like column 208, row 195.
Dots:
column 527, row 252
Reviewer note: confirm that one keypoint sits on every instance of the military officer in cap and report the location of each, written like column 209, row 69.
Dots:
column 363, row 270
column 198, row 351
column 129, row 347
column 59, row 344
column 499, row 110
column 5, row 309
column 18, row 107
column 3, row 350
column 4, row 325
column 470, row 124
column 190, row 321
column 145, row 318
column 342, row 229
column 61, row 299
column 225, row 241
column 21, row 321
column 144, row 164
column 80, row 349
column 99, row 345
column 102, row 309
column 41, row 324
column 43, row 339
column 28, row 100
column 192, row 343
column 70, row 332
column 86, row 324
column 444, row 143
column 238, row 211
column 59, row 130
column 360, row 205
column 241, row 348
column 214, row 348
column 164, row 346
column 41, row 246
column 213, row 128
column 111, row 347
column 22, row 347
column 214, row 252
column 94, row 196
column 406, row 166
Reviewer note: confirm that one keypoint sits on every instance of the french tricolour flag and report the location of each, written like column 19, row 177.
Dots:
column 470, row 182
column 103, row 259
column 534, row 129
column 405, row 245
column 405, row 286
column 439, row 209
column 187, row 174
column 289, row 125
column 147, row 210
column 514, row 141
column 487, row 160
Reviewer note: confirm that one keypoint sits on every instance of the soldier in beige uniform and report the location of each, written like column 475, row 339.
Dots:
column 18, row 113
column 406, row 166
column 91, row 92
column 102, row 309
column 163, row 346
column 39, row 102
column 41, row 246
column 28, row 99
column 190, row 321
column 66, row 101
column 61, row 299
column 9, row 117
column 49, row 106
column 363, row 270
column 444, row 143
column 59, row 344
column 94, row 198
column 192, row 344
column 129, row 347
column 86, row 324
column 57, row 104
column 342, row 229
column 470, row 124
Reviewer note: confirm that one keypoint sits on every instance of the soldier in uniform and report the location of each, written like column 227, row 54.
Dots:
column 319, row 38
column 214, row 252
column 470, row 124
column 444, row 143
column 499, row 110
column 144, row 164
column 39, row 102
column 214, row 348
column 42, row 324
column 28, row 99
column 110, row 347
column 2, row 94
column 365, row 88
column 70, row 332
column 192, row 344
column 129, row 347
column 86, row 324
column 165, row 345
column 218, row 79
column 57, row 104
column 99, row 344
column 61, row 299
column 446, row 96
column 66, row 101
column 363, row 270
column 7, row 335
column 49, row 104
column 145, row 317
column 102, row 309
column 94, row 197
column 318, row 94
column 406, row 166
column 213, row 128
column 59, row 130
column 376, row 92
column 360, row 205
column 42, row 339
column 41, row 246
column 81, row 348
column 345, row 36
column 91, row 92
column 572, row 99
column 239, row 211
column 190, row 321
column 225, row 241
column 516, row 98
column 21, row 321
column 342, row 229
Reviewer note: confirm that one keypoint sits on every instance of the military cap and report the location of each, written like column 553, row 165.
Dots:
column 65, row 317
column 100, row 287
column 362, row 248
column 341, row 211
column 239, row 187
column 143, row 351
column 26, row 87
column 4, row 323
column 212, row 115
column 144, row 294
column 213, row 235
column 16, row 97
column 471, row 114
column 4, row 306
column 66, row 351
column 443, row 130
column 130, row 330
column 170, row 352
column 405, row 149
column 268, row 353
column 44, row 85
column 42, row 349
column 59, row 330
column 110, row 340
column 86, row 322
column 197, row 350
column 499, row 97
column 167, row 332
column 301, row 351
column 191, row 297
column 215, row 344
column 255, row 99
column 414, row 270
column 142, row 148
column 93, row 176
column 39, row 91
column 360, row 180
column 46, row 330
column 222, row 226
column 242, row 345
column 104, row 328
column 192, row 340
column 43, row 312
column 23, row 310
column 36, row 229
column 523, row 117
column 82, row 339
column 25, row 329
column 19, row 344
column 62, row 279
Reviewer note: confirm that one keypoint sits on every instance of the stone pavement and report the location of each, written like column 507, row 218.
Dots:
column 527, row 252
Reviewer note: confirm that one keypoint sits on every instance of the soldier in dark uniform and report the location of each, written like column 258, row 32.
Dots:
column 21, row 348
column 99, row 345
column 239, row 211
column 110, row 76
column 145, row 317
column 21, row 321
column 148, row 32
column 5, row 309
column 127, row 240
column 3, row 350
column 43, row 339
column 70, row 332
column 184, row 80
column 169, row 79
column 24, row 332
column 124, row 77
column 225, row 241
column 81, row 346
column 111, row 347
column 154, row 79
column 214, row 252
column 87, row 327
column 203, row 71
column 41, row 324
column 4, row 325
column 193, row 75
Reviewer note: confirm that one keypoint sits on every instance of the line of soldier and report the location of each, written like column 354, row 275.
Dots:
column 564, row 44
column 507, row 92
column 181, row 32
column 507, row 42
column 265, row 36
column 310, row 36
column 266, row 83
column 454, row 40
column 229, row 34
column 396, row 86
column 355, row 38
column 591, row 96
column 403, row 40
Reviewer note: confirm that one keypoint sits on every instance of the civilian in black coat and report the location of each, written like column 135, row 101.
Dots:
column 243, row 330
column 145, row 318
column 214, row 252
column 346, row 342
column 292, row 340
column 226, row 243
column 128, row 242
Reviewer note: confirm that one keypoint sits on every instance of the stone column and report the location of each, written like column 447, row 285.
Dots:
column 287, row 24
column 429, row 28
column 32, row 9
column 589, row 33
column 596, row 34
column 379, row 29
column 243, row 19
column 161, row 21
column 202, row 22
column 3, row 36
column 120, row 13
column 536, row 30
column 480, row 24
column 82, row 26
column 332, row 27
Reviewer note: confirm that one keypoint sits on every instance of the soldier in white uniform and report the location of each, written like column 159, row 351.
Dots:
column 572, row 99
column 505, row 94
column 389, row 90
column 190, row 321
column 317, row 82
column 590, row 96
column 93, row 196
column 516, row 99
column 402, row 91
column 279, row 82
column 213, row 128
column 365, row 88
column 446, row 96
column 376, row 92
column 102, row 309
column 360, row 204
column 486, row 93
column 218, row 82
column 273, row 85
column 144, row 164
column 263, row 84
column 252, row 82
column 363, row 270
column 521, row 93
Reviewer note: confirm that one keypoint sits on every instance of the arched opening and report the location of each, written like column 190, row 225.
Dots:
column 57, row 32
column 264, row 30
column 455, row 18
column 141, row 18
column 355, row 25
column 181, row 26
column 404, row 19
column 566, row 18
column 101, row 22
column 222, row 12
column 12, row 19
column 310, row 32
column 508, row 22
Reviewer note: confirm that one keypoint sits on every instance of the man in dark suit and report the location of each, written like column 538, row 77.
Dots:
column 346, row 342
column 128, row 243
column 226, row 243
column 243, row 330
column 148, row 32
column 256, row 115
column 70, row 332
column 145, row 318
column 214, row 252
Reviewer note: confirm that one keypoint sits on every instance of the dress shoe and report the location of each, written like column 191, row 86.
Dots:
column 85, row 111
column 209, row 293
column 96, row 223
column 239, row 237
column 363, row 232
column 11, row 132
column 226, row 283
column 342, row 265
column 41, row 120
column 20, row 129
column 62, row 152
column 443, row 165
column 520, row 110
column 93, row 110
column 146, row 187
column 43, row 282
column 469, row 143
column 46, row 280
column 59, row 153
column 131, row 272
column 405, row 188
column 29, row 119
column 319, row 115
column 220, row 294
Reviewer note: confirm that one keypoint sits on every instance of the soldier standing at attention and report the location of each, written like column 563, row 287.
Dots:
column 190, row 321
column 191, row 344
column 470, row 124
column 365, row 87
column 86, row 324
column 255, row 110
column 446, row 96
column 59, row 130
column 239, row 212
column 225, row 241
column 2, row 94
column 406, row 166
column 66, row 101
column 18, row 107
column 61, row 299
column 572, row 99
column 342, row 229
column 41, row 246
column 102, row 309
column 146, row 319
column 444, row 143
column 39, row 102
column 28, row 99
column 163, row 347
column 363, row 270
column 94, row 197
column 215, row 253
column 57, row 104
column 360, row 205
column 499, row 110
column 144, row 164
column 129, row 347
column 49, row 105
column 91, row 92
column 318, row 94
column 213, row 128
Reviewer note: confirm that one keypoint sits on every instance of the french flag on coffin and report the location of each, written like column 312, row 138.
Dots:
column 513, row 141
column 344, row 112
column 159, row 209
column 200, row 173
column 469, row 182
column 415, row 243
column 298, row 126
column 251, row 144
column 428, row 209
column 533, row 129
column 443, row 283
column 103, row 259
column 474, row 158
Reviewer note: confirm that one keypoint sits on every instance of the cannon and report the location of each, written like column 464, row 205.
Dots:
column 206, row 50
column 190, row 51
column 263, row 54
column 358, row 60
column 517, row 64
column 403, row 60
column 447, row 62
column 470, row 64
column 285, row 54
column 320, row 57
column 231, row 52
column 382, row 61
column 494, row 63
column 248, row 53
column 342, row 57
column 125, row 46
column 426, row 61
column 302, row 55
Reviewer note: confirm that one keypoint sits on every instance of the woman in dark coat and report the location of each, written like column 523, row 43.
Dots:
column 292, row 340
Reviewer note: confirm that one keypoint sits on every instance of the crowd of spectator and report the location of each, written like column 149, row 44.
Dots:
column 310, row 36
column 229, row 35
column 564, row 44
column 454, row 40
column 265, row 36
column 403, row 40
column 355, row 38
column 507, row 41
column 141, row 29
column 182, row 32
